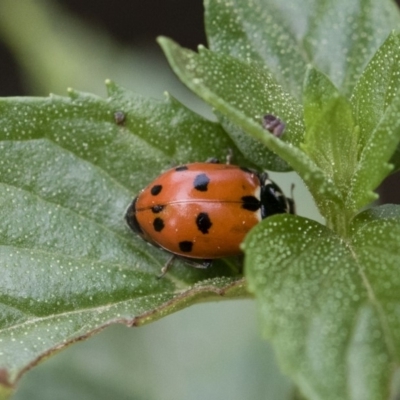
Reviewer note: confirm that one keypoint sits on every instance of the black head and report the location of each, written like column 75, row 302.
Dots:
column 273, row 201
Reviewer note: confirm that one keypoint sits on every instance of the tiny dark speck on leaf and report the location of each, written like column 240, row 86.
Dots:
column 119, row 117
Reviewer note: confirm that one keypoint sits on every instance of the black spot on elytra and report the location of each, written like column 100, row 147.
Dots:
column 251, row 203
column 181, row 168
column 203, row 222
column 186, row 246
column 156, row 209
column 201, row 182
column 158, row 224
column 155, row 190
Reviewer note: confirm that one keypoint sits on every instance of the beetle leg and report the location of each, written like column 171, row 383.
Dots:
column 166, row 266
column 291, row 202
column 197, row 262
column 204, row 264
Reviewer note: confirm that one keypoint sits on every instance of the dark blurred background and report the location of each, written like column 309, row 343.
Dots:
column 139, row 22
column 130, row 23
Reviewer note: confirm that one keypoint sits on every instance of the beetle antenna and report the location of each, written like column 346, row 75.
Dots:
column 229, row 156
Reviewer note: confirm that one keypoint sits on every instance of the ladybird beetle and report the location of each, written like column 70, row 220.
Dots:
column 203, row 211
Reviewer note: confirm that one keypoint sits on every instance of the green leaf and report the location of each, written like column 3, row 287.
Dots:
column 376, row 104
column 336, row 37
column 377, row 88
column 257, row 31
column 69, row 167
column 353, row 142
column 342, row 36
column 330, row 306
column 331, row 137
column 241, row 90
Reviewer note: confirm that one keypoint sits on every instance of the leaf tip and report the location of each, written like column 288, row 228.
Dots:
column 164, row 41
column 370, row 197
column 374, row 196
column 161, row 39
column 389, row 168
